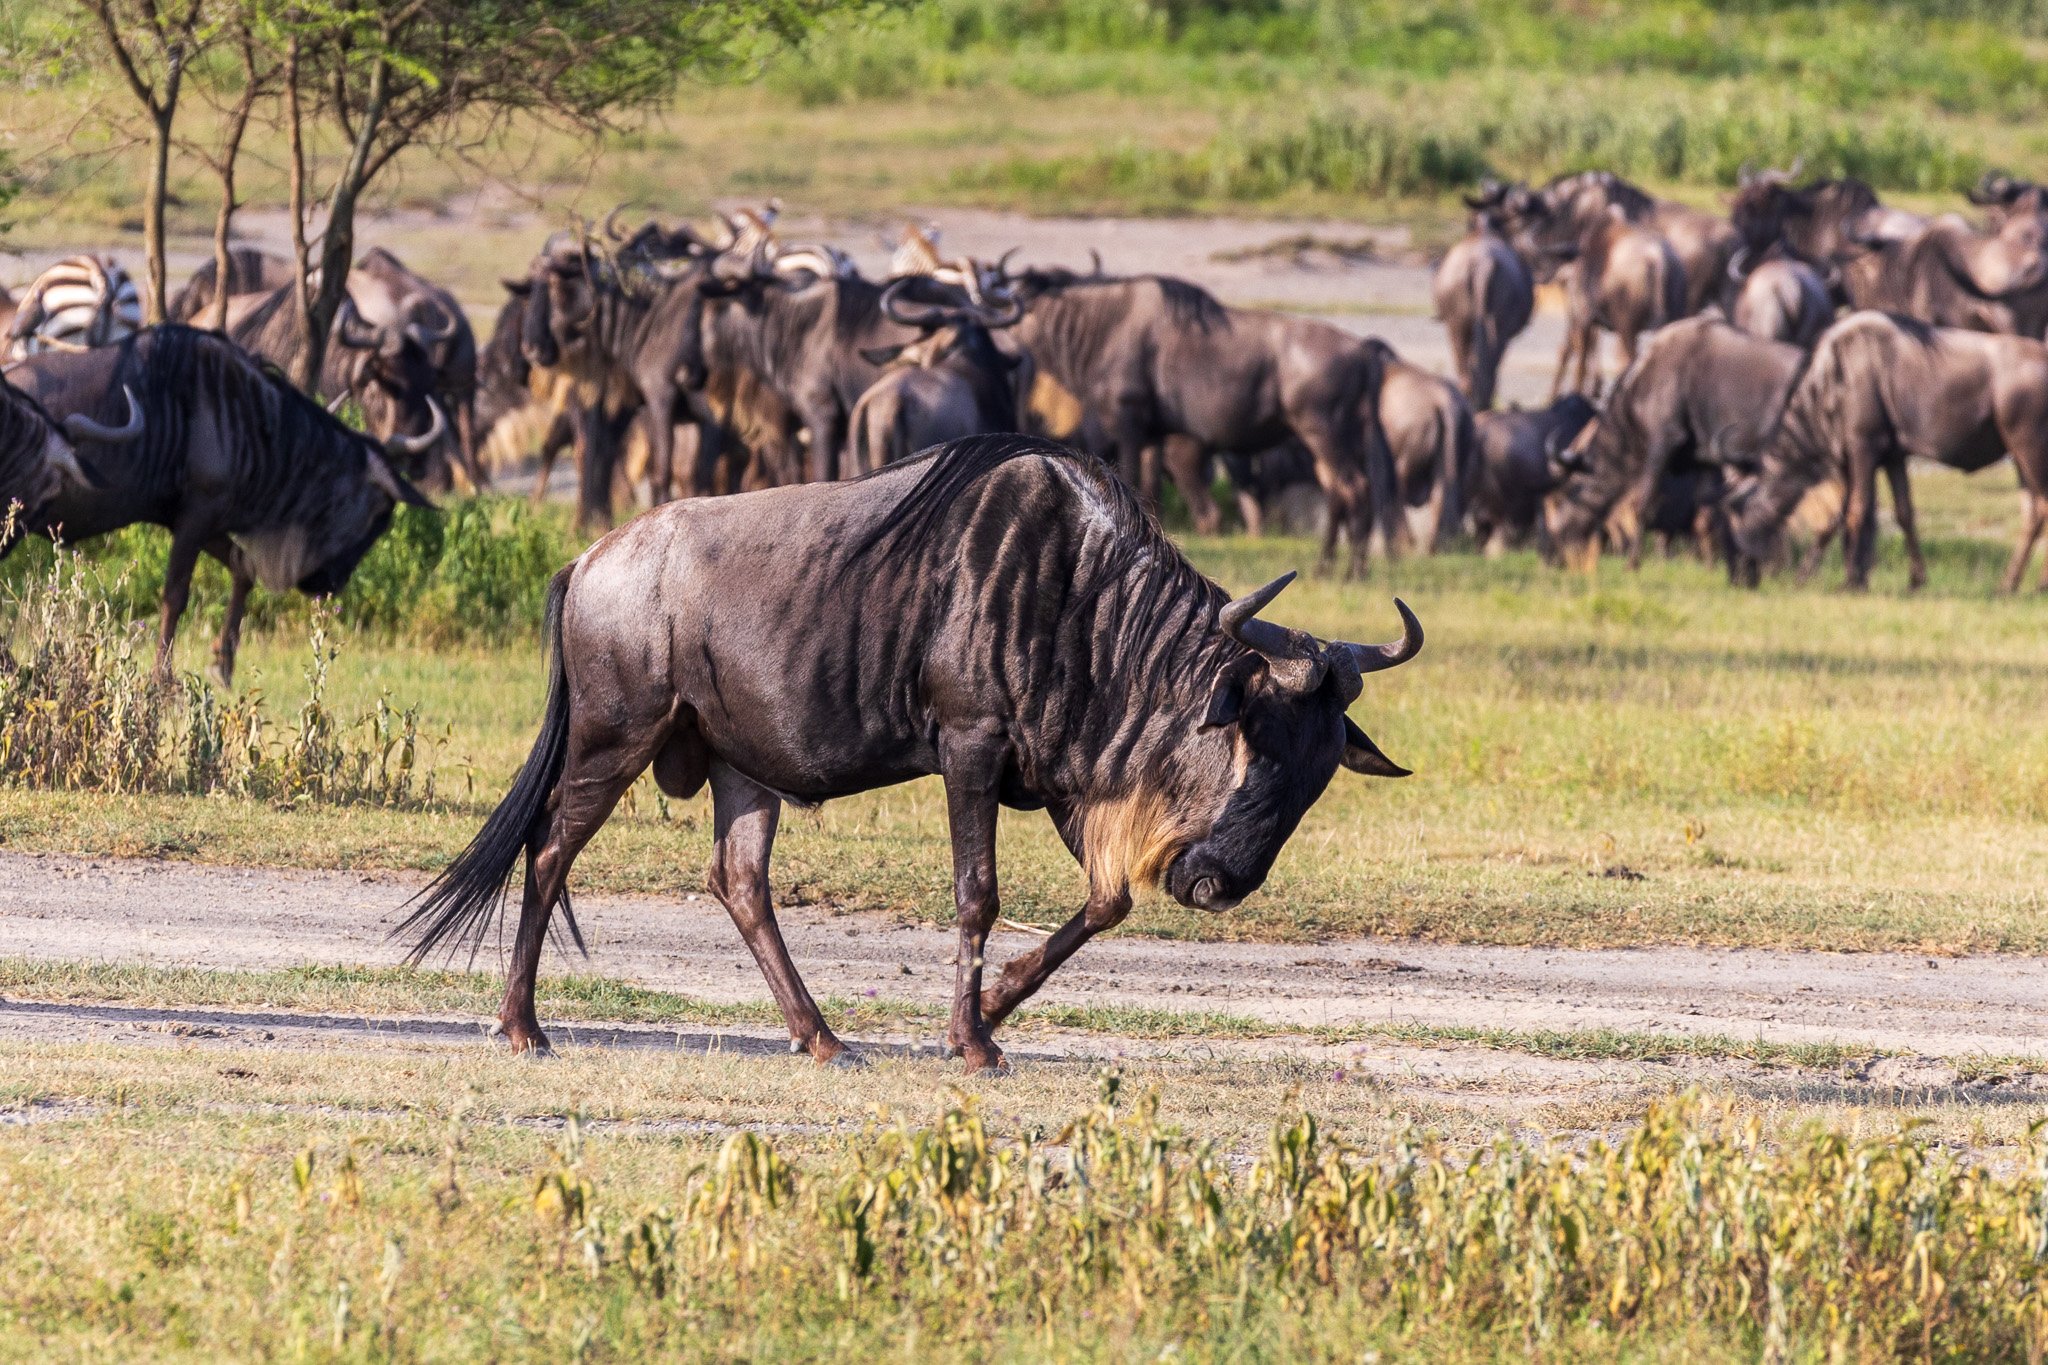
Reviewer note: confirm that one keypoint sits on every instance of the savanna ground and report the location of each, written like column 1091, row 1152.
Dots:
column 1782, row 850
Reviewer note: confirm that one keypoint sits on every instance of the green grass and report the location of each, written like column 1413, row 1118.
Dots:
column 1792, row 767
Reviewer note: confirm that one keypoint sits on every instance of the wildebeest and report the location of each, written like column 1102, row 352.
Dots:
column 2001, row 195
column 392, row 298
column 1623, row 276
column 1702, row 243
column 1951, row 275
column 228, row 457
column 80, row 301
column 1780, row 299
column 1697, row 380
column 1484, row 296
column 250, row 271
column 1514, row 471
column 1002, row 613
column 1152, row 356
column 952, row 382
column 1428, row 428
column 1825, row 223
column 1879, row 388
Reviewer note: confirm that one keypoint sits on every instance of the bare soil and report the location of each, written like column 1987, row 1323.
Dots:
column 178, row 914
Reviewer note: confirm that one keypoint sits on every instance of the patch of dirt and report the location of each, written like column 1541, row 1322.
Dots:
column 183, row 914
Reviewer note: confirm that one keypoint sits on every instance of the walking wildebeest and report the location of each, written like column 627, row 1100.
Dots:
column 1695, row 380
column 1003, row 614
column 1484, row 295
column 1623, row 277
column 227, row 456
column 1879, row 388
column 1428, row 427
column 1514, row 470
column 953, row 382
column 1152, row 356
column 1780, row 299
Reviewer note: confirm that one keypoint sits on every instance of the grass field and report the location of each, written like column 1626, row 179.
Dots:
column 1610, row 760
column 1373, row 108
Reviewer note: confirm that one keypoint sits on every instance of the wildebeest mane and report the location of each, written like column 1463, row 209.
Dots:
column 1164, row 605
column 1190, row 305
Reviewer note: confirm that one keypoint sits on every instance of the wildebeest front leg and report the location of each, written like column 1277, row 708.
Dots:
column 238, row 605
column 744, row 815
column 1024, row 974
column 971, row 814
column 1859, row 520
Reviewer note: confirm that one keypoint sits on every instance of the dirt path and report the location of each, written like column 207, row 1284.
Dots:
column 226, row 918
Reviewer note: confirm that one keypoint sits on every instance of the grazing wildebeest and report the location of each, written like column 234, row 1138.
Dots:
column 1152, row 356
column 1780, row 299
column 1877, row 389
column 227, row 456
column 1003, row 614
column 37, row 457
column 1624, row 276
column 953, row 382
column 1702, row 243
column 1428, row 428
column 1514, row 470
column 1951, row 275
column 1484, row 295
column 1826, row 223
column 80, row 301
column 1696, row 379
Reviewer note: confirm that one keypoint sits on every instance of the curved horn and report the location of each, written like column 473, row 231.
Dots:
column 1095, row 257
column 1373, row 658
column 410, row 446
column 427, row 340
column 611, row 223
column 932, row 315
column 351, row 330
column 1735, row 262
column 1294, row 658
column 82, row 428
column 1008, row 314
column 334, row 404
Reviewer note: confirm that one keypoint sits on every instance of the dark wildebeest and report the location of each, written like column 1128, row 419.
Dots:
column 1003, row 614
column 1826, row 223
column 1152, row 356
column 1696, row 379
column 954, row 382
column 388, row 371
column 37, row 457
column 1428, row 427
column 1878, row 389
column 1484, row 295
column 1781, row 298
column 1951, row 275
column 391, row 297
column 230, row 458
column 1514, row 471
column 1702, row 243
column 1623, row 276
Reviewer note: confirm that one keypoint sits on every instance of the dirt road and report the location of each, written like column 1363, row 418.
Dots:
column 227, row 918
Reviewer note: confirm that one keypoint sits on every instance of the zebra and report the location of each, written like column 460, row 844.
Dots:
column 80, row 302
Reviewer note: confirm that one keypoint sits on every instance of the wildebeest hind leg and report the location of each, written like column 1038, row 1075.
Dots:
column 971, row 815
column 745, row 815
column 238, row 605
column 1902, row 512
column 184, row 558
column 2030, row 531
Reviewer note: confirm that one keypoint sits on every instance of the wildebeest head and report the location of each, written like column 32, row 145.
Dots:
column 392, row 376
column 1272, row 735
column 37, row 458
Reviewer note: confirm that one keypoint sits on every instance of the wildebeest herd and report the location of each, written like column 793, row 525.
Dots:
column 946, row 561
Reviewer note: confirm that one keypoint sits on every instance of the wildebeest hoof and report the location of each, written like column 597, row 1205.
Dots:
column 986, row 1062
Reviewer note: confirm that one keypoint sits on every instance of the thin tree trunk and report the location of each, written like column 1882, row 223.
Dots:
column 312, row 349
column 230, row 153
column 154, row 306
column 338, row 237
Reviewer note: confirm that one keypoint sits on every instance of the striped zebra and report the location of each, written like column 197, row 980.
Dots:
column 78, row 303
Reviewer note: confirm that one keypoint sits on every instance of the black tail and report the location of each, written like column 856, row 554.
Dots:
column 464, row 901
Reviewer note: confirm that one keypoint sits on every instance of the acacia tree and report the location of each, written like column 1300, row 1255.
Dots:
column 235, row 100
column 153, row 44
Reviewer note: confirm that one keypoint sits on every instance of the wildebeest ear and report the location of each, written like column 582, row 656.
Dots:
column 882, row 355
column 1226, row 698
column 1361, row 755
column 521, row 287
